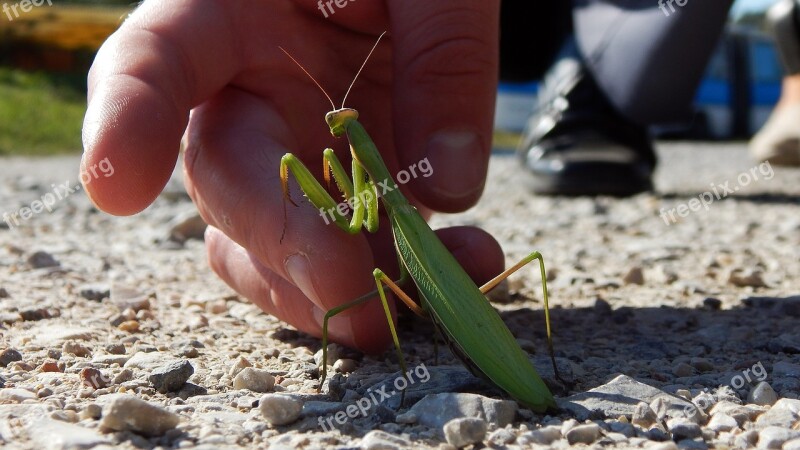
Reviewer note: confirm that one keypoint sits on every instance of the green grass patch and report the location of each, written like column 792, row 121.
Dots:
column 40, row 114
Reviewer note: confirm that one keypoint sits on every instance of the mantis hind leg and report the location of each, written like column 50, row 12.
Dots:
column 380, row 280
column 496, row 280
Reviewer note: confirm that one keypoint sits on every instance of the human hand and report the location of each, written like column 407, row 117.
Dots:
column 428, row 92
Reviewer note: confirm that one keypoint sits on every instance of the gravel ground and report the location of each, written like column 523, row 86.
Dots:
column 669, row 334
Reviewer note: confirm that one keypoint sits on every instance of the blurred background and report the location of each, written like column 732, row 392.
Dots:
column 46, row 52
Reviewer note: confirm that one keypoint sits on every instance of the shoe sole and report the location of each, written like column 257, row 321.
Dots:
column 595, row 179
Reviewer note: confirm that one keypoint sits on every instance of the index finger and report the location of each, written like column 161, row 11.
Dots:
column 143, row 83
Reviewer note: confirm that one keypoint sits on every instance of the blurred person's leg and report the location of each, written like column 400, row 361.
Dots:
column 630, row 64
column 778, row 141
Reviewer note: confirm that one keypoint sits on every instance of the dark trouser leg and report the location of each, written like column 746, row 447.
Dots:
column 647, row 56
column 531, row 33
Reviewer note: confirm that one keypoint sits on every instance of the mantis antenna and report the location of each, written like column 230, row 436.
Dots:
column 362, row 67
column 351, row 84
column 309, row 76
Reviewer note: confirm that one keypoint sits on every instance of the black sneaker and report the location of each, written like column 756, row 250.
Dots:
column 578, row 144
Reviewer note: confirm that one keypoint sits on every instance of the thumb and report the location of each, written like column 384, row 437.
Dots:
column 445, row 65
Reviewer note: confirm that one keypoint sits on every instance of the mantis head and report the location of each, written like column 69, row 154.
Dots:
column 339, row 119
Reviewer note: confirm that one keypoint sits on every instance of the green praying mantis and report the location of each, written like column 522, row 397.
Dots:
column 458, row 308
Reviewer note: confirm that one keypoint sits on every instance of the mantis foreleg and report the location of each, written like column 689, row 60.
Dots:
column 361, row 194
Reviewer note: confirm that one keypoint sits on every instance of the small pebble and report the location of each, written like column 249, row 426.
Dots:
column 240, row 363
column 33, row 315
column 126, row 412
column 752, row 278
column 407, row 418
column 66, row 415
column 16, row 395
column 115, row 349
column 50, row 366
column 93, row 378
column 123, row 376
column 542, row 436
column 682, row 370
column 722, row 422
column 40, row 260
column 465, row 431
column 381, row 440
column 501, row 437
column 44, row 392
column 747, row 439
column 701, row 364
column 774, row 437
column 684, row 393
column 130, row 326
column 683, row 429
column 95, row 292
column 643, row 415
column 762, row 394
column 669, row 445
column 712, row 304
column 217, row 307
column 75, row 349
column 171, row 377
column 583, row 434
column 8, row 356
column 91, row 411
column 256, row 380
column 332, row 355
column 280, row 409
column 634, row 276
column 344, row 365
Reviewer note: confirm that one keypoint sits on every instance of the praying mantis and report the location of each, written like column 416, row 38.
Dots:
column 458, row 308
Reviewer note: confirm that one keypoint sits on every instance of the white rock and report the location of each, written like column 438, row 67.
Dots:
column 462, row 432
column 722, row 422
column 280, row 409
column 774, row 437
column 344, row 365
column 434, row 410
column 381, row 440
column 50, row 434
column 762, row 394
column 126, row 412
column 643, row 415
column 256, row 380
column 543, row 436
column 16, row 395
column 241, row 363
column 149, row 360
column 794, row 444
column 583, row 434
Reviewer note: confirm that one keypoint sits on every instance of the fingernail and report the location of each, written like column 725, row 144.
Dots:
column 456, row 158
column 299, row 270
